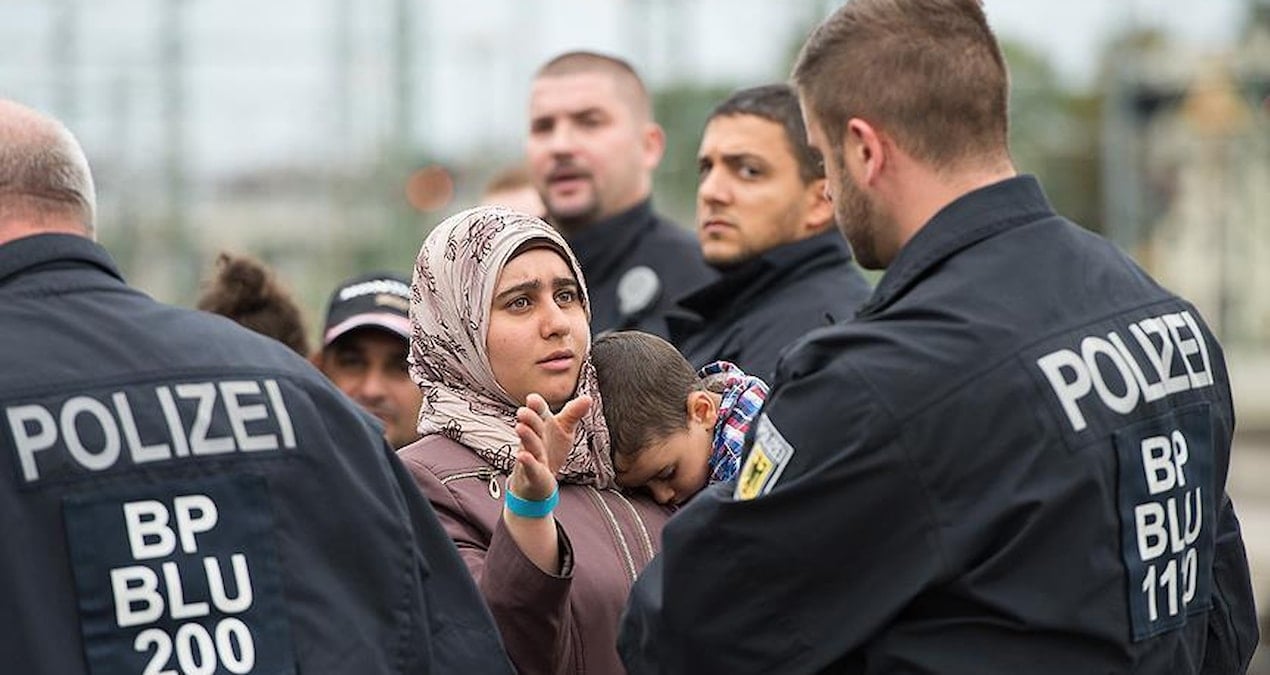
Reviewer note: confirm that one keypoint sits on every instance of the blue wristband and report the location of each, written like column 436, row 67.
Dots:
column 528, row 508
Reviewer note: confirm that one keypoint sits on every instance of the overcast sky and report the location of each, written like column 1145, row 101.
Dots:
column 261, row 87
column 1071, row 32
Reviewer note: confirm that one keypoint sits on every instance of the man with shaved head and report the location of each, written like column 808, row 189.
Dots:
column 592, row 149
column 179, row 492
column 45, row 185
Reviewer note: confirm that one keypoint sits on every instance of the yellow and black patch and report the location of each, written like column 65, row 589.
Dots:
column 769, row 454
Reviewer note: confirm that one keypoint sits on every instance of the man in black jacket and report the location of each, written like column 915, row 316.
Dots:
column 1013, row 460
column 592, row 149
column 180, row 493
column 764, row 222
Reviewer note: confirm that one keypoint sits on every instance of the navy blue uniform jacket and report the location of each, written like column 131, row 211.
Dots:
column 609, row 249
column 1013, row 461
column 757, row 309
column 179, row 494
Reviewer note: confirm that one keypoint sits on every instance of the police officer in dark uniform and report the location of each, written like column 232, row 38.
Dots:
column 592, row 149
column 764, row 222
column 1014, row 459
column 180, row 494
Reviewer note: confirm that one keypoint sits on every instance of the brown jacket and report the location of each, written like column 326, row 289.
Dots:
column 550, row 624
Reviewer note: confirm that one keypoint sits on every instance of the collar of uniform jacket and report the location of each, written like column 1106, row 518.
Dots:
column 969, row 219
column 601, row 246
column 774, row 267
column 21, row 255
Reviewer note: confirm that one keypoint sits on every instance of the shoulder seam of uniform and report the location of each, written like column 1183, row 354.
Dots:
column 896, row 433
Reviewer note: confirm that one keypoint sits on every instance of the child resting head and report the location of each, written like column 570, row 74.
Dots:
column 671, row 430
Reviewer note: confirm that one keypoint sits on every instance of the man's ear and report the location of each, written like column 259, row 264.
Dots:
column 864, row 151
column 318, row 359
column 819, row 209
column 702, row 407
column 654, row 145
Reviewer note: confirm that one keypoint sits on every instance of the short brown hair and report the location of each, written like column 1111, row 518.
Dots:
column 644, row 387
column 244, row 290
column 929, row 72
column 776, row 103
column 623, row 73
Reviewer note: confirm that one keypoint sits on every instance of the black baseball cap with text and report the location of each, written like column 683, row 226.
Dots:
column 376, row 300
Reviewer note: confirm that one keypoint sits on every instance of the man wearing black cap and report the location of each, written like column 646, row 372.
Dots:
column 364, row 347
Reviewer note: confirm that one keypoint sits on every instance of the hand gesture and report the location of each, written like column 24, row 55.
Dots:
column 545, row 441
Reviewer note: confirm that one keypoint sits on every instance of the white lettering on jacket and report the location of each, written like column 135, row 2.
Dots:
column 1174, row 359
column 257, row 416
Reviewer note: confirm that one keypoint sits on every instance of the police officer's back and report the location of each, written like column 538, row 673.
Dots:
column 1012, row 461
column 180, row 494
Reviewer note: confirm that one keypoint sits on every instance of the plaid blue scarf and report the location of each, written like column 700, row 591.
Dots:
column 743, row 396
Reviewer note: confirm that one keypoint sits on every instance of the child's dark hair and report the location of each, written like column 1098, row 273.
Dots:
column 244, row 290
column 644, row 387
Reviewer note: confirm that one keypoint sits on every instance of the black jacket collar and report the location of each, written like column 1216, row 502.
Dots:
column 27, row 253
column 967, row 220
column 601, row 246
column 740, row 284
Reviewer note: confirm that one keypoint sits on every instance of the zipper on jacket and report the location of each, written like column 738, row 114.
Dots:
column 484, row 473
column 617, row 531
column 643, row 529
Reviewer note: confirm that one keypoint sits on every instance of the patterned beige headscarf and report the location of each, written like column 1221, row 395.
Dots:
column 453, row 289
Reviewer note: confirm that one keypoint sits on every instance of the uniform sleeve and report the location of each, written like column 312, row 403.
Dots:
column 1233, row 631
column 1232, row 621
column 795, row 578
column 454, row 612
column 530, row 607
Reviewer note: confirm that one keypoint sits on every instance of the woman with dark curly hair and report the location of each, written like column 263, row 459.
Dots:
column 244, row 290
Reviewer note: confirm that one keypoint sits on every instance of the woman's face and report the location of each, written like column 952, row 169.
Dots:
column 538, row 332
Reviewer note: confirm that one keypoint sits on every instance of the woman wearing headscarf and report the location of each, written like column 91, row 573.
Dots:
column 500, row 320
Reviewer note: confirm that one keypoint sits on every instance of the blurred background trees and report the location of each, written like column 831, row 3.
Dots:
column 327, row 138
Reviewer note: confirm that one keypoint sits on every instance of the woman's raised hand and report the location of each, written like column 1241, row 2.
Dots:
column 545, row 441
